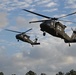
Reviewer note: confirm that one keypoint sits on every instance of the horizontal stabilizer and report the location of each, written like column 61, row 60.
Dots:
column 35, row 43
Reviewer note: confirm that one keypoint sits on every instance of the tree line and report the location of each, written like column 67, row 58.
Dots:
column 71, row 72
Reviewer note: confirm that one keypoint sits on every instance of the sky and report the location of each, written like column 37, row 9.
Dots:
column 52, row 55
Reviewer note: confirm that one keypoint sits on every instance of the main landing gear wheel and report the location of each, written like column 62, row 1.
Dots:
column 44, row 33
column 69, row 45
column 18, row 40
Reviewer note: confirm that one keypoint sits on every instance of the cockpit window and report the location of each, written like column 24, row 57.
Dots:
column 59, row 28
column 48, row 23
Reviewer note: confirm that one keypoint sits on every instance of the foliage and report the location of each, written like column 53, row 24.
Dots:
column 30, row 73
column 1, row 73
column 43, row 74
column 60, row 73
column 72, row 72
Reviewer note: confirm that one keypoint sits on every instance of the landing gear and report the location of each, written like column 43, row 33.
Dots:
column 44, row 33
column 35, row 40
column 69, row 45
column 18, row 40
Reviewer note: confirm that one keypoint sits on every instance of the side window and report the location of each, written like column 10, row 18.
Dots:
column 52, row 23
column 48, row 23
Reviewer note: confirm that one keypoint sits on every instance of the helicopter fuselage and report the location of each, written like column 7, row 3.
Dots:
column 55, row 29
column 26, row 38
column 48, row 29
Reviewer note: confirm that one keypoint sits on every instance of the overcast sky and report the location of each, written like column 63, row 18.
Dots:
column 52, row 55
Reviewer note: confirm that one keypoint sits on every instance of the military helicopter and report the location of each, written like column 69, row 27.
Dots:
column 54, row 27
column 24, row 37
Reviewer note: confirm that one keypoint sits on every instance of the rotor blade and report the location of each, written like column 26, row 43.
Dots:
column 28, row 30
column 13, row 31
column 67, row 21
column 68, row 15
column 37, row 21
column 50, row 20
column 37, row 14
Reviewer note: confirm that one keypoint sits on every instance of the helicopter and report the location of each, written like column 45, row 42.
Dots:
column 24, row 37
column 54, row 27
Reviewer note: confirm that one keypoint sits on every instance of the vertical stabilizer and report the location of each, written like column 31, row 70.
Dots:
column 73, row 35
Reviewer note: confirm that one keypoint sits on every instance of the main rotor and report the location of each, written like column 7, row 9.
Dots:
column 50, row 18
column 18, row 31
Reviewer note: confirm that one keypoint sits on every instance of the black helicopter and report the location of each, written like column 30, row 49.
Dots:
column 54, row 27
column 24, row 37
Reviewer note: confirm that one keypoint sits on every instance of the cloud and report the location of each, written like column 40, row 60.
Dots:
column 47, row 4
column 71, row 4
column 51, row 4
column 39, row 58
column 22, row 22
column 52, row 56
column 3, row 19
column 52, row 10
column 11, row 5
column 43, row 2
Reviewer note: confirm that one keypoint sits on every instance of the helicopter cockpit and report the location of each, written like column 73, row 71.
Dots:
column 59, row 26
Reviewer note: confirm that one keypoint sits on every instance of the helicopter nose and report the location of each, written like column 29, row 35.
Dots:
column 42, row 26
column 17, row 37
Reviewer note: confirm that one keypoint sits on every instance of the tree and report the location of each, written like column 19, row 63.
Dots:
column 13, row 74
column 43, row 74
column 60, row 73
column 30, row 73
column 1, row 73
column 72, row 72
